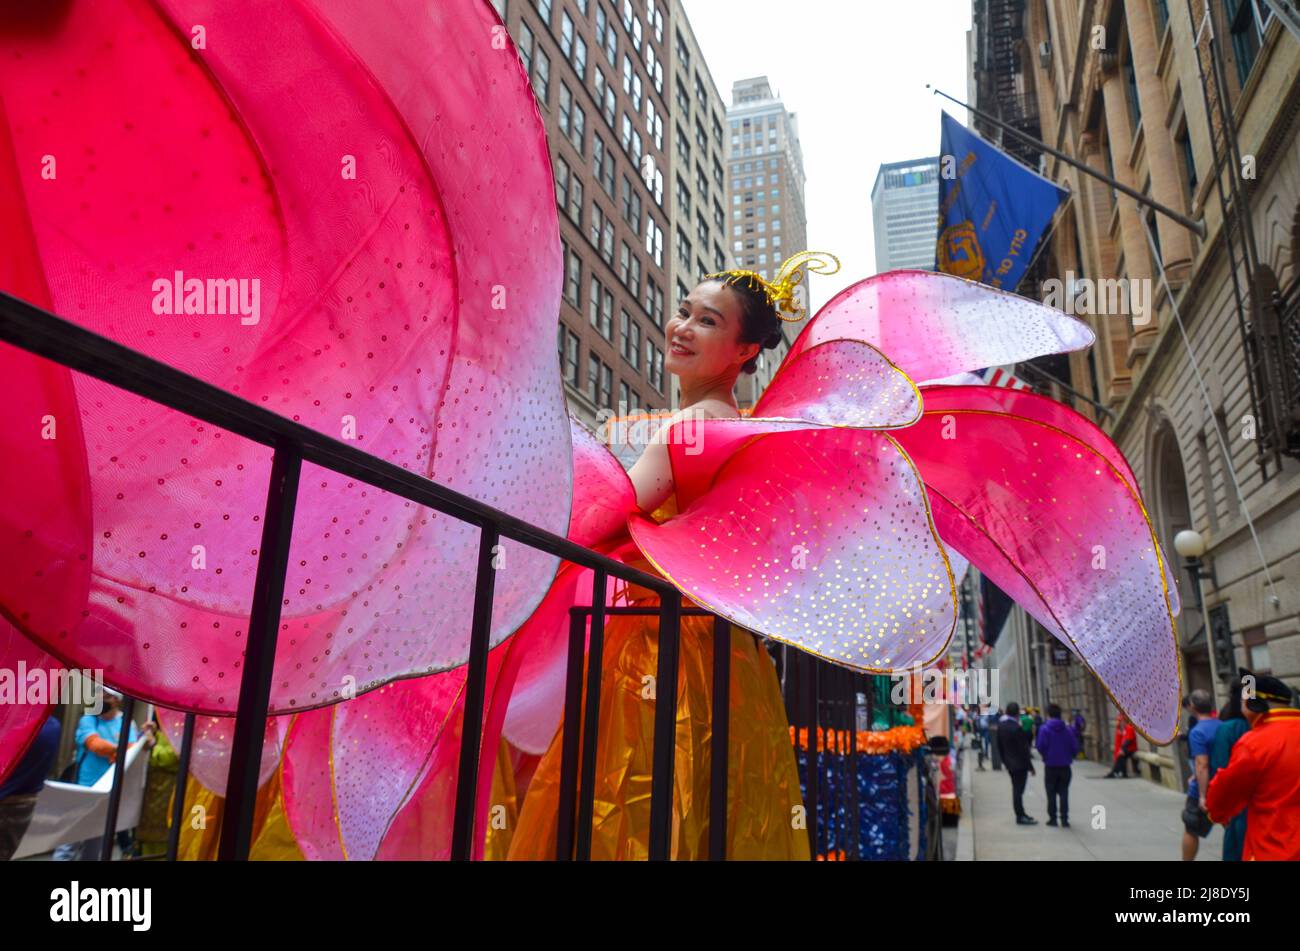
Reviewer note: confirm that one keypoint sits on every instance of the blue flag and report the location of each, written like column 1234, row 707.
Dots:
column 992, row 209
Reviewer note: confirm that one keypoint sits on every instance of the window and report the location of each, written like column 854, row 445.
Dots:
column 526, row 48
column 634, row 276
column 602, row 164
column 561, row 182
column 654, row 242
column 605, row 37
column 573, row 277
column 624, row 333
column 575, row 201
column 654, row 365
column 566, row 35
column 543, row 10
column 656, row 20
column 569, row 355
column 579, row 133
column 654, row 302
column 606, row 386
column 542, row 76
column 1189, row 164
column 602, row 233
column 624, row 261
column 580, row 58
column 1246, row 21
column 566, row 109
column 1162, row 16
column 624, row 397
column 593, row 375
column 654, row 124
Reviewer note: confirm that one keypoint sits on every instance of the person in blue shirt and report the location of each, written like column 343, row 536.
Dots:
column 1200, row 741
column 19, row 792
column 97, row 738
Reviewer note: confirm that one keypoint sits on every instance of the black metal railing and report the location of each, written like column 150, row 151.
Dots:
column 39, row 332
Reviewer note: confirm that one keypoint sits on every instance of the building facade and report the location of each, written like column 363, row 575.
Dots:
column 904, row 206
column 1195, row 106
column 600, row 73
column 697, row 166
column 768, row 218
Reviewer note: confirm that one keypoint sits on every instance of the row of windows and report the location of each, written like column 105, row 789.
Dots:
column 600, row 375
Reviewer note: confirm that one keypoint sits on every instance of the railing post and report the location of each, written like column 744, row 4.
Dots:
column 665, row 738
column 182, row 785
column 119, row 775
column 462, row 837
column 591, row 717
column 571, row 736
column 259, row 655
column 719, row 743
column 814, row 756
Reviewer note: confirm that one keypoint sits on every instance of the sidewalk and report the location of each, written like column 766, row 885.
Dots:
column 1110, row 819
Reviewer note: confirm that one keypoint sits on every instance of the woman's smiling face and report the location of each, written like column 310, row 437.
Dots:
column 703, row 337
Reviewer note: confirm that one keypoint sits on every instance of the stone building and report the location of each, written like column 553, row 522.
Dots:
column 1198, row 108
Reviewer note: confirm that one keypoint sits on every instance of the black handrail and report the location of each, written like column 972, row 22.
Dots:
column 39, row 332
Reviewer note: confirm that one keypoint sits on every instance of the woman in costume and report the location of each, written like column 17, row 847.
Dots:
column 422, row 325
column 716, row 335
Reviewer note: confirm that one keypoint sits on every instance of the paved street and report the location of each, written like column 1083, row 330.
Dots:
column 1110, row 819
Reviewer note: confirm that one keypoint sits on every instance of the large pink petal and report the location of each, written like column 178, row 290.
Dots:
column 413, row 303
column 210, row 754
column 934, row 325
column 818, row 538
column 602, row 499
column 1045, row 513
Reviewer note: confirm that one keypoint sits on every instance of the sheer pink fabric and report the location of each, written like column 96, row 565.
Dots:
column 1044, row 504
column 210, row 754
column 404, row 244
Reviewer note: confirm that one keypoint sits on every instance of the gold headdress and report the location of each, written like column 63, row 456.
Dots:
column 780, row 290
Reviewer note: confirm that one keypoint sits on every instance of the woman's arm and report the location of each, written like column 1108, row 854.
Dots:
column 652, row 474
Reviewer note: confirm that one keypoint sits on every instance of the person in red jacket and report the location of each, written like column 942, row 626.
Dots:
column 1263, row 775
column 1126, row 744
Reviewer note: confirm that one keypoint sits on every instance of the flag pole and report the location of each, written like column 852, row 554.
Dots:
column 1190, row 224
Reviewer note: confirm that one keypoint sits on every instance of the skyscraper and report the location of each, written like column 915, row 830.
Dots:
column 904, row 212
column 769, row 221
column 600, row 74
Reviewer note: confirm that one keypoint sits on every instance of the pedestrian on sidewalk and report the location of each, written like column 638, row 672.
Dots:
column 1057, row 744
column 982, row 736
column 1013, row 747
column 1232, row 727
column 1126, row 745
column 1200, row 738
column 1078, row 725
column 1263, row 775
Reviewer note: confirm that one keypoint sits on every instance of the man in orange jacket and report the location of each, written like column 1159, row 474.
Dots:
column 1263, row 775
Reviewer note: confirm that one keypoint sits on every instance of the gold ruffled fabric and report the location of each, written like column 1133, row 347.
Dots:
column 272, row 839
column 765, row 805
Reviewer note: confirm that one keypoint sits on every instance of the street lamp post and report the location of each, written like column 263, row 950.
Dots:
column 1190, row 544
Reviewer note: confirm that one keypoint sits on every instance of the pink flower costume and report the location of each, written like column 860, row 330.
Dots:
column 406, row 247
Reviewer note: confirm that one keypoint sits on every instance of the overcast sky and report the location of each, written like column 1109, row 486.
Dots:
column 855, row 72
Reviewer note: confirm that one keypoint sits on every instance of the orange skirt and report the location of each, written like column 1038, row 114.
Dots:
column 765, row 812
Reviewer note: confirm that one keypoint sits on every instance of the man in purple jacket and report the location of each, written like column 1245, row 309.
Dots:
column 1058, row 746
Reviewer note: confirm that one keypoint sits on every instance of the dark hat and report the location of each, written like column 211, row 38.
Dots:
column 1268, row 688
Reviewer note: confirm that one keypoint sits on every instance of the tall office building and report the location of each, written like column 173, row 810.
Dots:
column 697, row 172
column 600, row 73
column 769, row 221
column 904, row 212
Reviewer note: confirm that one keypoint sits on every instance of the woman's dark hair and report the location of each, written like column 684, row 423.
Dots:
column 1232, row 709
column 759, row 322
